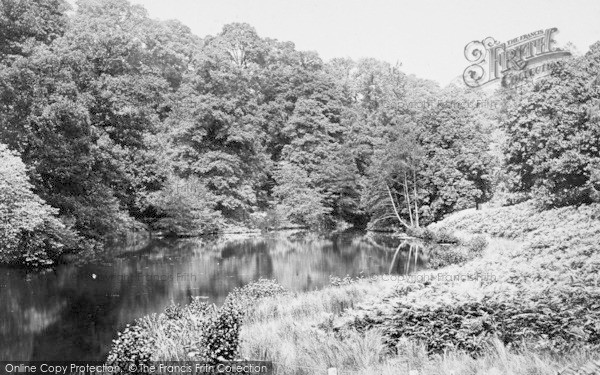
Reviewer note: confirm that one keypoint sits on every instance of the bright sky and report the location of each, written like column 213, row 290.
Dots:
column 427, row 37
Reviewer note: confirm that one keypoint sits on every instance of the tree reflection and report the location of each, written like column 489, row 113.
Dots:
column 69, row 314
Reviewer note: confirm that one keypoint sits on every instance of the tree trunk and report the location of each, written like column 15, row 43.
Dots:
column 416, row 198
column 394, row 206
column 408, row 200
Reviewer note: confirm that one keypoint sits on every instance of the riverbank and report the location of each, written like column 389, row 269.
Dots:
column 527, row 305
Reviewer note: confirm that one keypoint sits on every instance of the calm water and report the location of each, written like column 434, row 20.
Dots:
column 73, row 312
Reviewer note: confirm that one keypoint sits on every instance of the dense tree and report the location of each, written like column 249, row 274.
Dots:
column 438, row 138
column 458, row 165
column 184, row 207
column 86, row 112
column 216, row 130
column 554, row 133
column 125, row 122
column 30, row 232
column 25, row 23
column 394, row 188
column 299, row 200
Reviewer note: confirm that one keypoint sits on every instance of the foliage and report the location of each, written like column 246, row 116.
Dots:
column 339, row 281
column 30, row 232
column 220, row 335
column 268, row 220
column 292, row 330
column 557, row 321
column 540, row 294
column 443, row 256
column 112, row 111
column 24, row 23
column 208, row 333
column 459, row 163
column 440, row 235
column 263, row 288
column 84, row 116
column 174, row 311
column 132, row 346
column 431, row 162
column 199, row 307
column 477, row 244
column 552, row 149
column 184, row 207
column 299, row 201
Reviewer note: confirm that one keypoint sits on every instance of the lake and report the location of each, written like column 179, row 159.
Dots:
column 73, row 312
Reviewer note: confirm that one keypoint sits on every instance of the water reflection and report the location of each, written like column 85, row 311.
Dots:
column 74, row 311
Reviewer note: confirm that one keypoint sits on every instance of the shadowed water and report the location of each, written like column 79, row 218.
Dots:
column 73, row 312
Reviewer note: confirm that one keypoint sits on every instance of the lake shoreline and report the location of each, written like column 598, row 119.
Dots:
column 357, row 313
column 90, row 301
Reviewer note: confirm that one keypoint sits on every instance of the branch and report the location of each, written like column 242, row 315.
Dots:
column 390, row 216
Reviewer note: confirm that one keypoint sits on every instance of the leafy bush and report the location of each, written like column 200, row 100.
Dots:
column 30, row 232
column 199, row 307
column 443, row 256
column 174, row 311
column 268, row 220
column 562, row 241
column 464, row 327
column 133, row 346
column 444, row 236
column 185, row 207
column 242, row 298
column 220, row 337
column 558, row 320
column 477, row 244
column 211, row 334
column 339, row 281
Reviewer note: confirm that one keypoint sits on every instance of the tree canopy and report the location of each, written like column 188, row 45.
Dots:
column 125, row 123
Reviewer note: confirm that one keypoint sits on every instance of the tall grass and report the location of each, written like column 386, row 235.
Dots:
column 298, row 333
column 174, row 339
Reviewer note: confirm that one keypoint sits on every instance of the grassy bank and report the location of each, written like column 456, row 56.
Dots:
column 304, row 340
column 529, row 304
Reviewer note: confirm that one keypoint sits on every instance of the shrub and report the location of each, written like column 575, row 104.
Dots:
column 30, row 232
column 444, row 236
column 561, row 319
column 199, row 307
column 443, row 256
column 243, row 297
column 220, row 336
column 174, row 311
column 339, row 281
column 210, row 333
column 185, row 207
column 477, row 244
column 268, row 220
column 133, row 346
column 463, row 327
